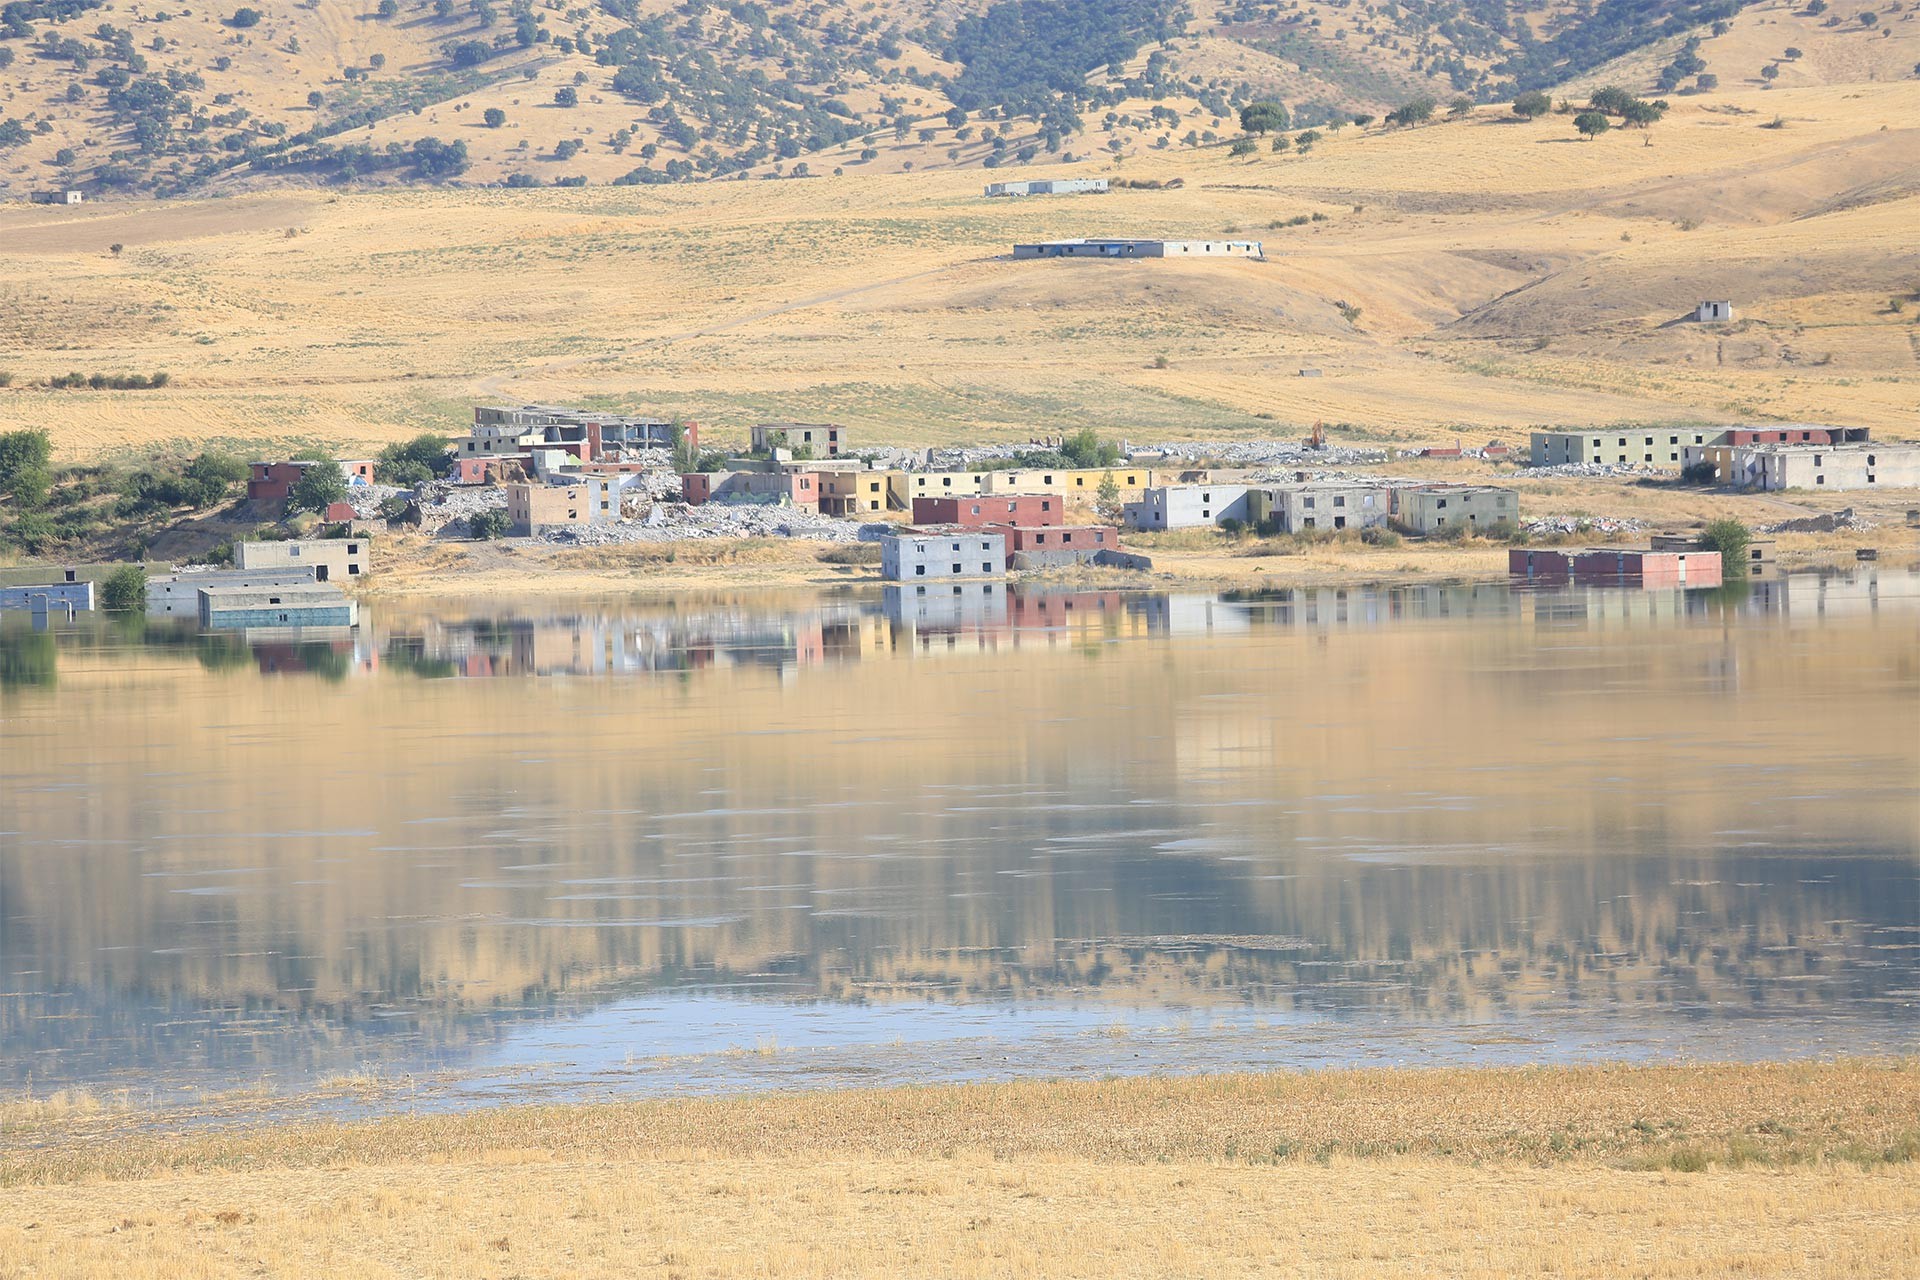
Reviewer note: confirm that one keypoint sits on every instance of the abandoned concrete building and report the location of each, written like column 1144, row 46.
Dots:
column 812, row 439
column 1713, row 312
column 1306, row 508
column 329, row 559
column 304, row 604
column 960, row 553
column 1186, row 506
column 1431, row 509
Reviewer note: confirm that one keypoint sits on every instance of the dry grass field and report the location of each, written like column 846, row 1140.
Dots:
column 1781, row 1170
column 1505, row 274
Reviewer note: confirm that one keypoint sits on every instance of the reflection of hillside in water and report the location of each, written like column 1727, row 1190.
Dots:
column 1451, row 804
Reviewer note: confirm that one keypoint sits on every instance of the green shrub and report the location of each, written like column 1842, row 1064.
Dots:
column 318, row 487
column 488, row 524
column 1730, row 538
column 125, row 588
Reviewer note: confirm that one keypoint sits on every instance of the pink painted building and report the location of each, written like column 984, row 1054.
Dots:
column 1627, row 567
column 1057, row 544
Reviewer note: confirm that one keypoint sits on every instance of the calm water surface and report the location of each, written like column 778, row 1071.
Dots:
column 506, row 849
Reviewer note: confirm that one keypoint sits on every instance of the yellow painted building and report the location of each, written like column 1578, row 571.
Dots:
column 858, row 493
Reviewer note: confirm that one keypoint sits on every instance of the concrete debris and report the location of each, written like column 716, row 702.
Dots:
column 1597, row 469
column 677, row 522
column 1832, row 522
column 366, row 499
column 1550, row 525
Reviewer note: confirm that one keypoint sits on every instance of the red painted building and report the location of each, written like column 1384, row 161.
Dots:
column 274, row 481
column 1603, row 567
column 1020, row 510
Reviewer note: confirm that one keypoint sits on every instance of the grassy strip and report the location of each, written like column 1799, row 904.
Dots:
column 1681, row 1118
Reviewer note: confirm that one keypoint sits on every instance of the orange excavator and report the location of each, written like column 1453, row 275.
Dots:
column 1318, row 440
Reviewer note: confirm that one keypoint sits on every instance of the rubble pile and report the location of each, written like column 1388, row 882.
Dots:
column 1832, row 522
column 1547, row 526
column 677, row 522
column 444, row 507
column 1599, row 469
column 365, row 499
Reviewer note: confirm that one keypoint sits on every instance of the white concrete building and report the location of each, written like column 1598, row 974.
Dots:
column 1187, row 506
column 1812, row 466
column 959, row 553
column 1713, row 312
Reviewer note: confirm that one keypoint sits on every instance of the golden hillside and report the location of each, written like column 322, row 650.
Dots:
column 1504, row 274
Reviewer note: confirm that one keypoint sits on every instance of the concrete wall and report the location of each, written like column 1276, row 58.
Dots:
column 57, row 595
column 916, row 557
column 1187, row 506
column 330, row 559
column 1066, row 542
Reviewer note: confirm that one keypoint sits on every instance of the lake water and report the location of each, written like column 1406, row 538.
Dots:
column 502, row 849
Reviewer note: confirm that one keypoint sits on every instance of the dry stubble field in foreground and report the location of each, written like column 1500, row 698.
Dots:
column 1504, row 274
column 1773, row 1170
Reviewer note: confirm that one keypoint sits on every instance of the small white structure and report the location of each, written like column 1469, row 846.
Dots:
column 1048, row 187
column 60, row 197
column 1713, row 312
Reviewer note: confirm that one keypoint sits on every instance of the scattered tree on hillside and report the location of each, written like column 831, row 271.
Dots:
column 1241, row 147
column 1592, row 124
column 244, row 18
column 494, row 117
column 1532, row 104
column 1362, row 119
column 388, row 9
column 1769, row 72
column 24, row 459
column 412, row 462
column 1793, row 54
column 1460, row 106
column 1264, row 117
column 1419, row 111
column 1706, row 83
column 566, row 96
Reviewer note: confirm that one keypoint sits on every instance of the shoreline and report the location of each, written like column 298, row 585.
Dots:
column 1781, row 1168
column 416, row 567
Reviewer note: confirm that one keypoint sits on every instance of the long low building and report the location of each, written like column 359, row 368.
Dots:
column 1048, row 187
column 1670, row 447
column 177, row 595
column 1613, row 566
column 1102, row 248
column 309, row 604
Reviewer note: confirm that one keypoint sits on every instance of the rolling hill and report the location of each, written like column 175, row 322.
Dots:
column 120, row 96
column 1495, row 273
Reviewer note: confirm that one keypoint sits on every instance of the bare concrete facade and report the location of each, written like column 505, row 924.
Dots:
column 1431, row 509
column 329, row 559
column 960, row 553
